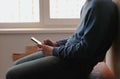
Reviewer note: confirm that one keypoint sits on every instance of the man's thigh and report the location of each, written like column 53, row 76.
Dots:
column 44, row 68
column 49, row 67
column 30, row 57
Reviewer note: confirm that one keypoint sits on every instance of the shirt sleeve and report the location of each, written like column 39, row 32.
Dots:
column 62, row 42
column 73, row 51
column 78, row 50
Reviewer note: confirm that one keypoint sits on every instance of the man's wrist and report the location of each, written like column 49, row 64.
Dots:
column 56, row 44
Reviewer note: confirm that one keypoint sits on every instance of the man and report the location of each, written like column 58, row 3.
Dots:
column 75, row 56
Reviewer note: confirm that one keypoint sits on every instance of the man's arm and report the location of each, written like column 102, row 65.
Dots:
column 78, row 50
column 62, row 42
column 73, row 51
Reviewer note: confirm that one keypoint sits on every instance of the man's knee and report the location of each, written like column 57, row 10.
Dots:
column 10, row 74
column 14, row 73
column 30, row 57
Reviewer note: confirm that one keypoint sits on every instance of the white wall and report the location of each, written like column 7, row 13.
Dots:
column 15, row 43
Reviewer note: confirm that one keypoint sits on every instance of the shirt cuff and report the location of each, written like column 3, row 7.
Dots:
column 55, row 51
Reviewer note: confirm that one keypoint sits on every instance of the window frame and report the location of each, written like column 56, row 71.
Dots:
column 24, row 24
column 57, row 21
column 45, row 21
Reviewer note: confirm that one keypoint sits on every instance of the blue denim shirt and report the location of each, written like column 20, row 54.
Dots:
column 94, row 35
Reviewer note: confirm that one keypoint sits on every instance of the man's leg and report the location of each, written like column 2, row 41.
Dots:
column 49, row 67
column 30, row 57
column 44, row 68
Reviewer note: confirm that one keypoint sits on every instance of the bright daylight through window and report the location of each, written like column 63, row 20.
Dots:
column 65, row 9
column 19, row 11
column 40, row 12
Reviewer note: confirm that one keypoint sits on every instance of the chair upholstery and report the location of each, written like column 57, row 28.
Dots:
column 101, row 71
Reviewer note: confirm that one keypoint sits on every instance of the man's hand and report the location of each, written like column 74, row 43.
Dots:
column 47, row 47
column 47, row 50
column 50, row 43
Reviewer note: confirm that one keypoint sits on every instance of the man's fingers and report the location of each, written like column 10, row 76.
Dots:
column 40, row 46
column 40, row 49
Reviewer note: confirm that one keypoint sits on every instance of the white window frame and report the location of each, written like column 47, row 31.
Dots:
column 24, row 24
column 49, row 21
column 45, row 21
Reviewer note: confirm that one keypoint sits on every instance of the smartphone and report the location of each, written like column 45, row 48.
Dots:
column 36, row 41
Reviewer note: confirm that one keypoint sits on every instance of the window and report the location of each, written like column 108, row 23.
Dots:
column 39, row 13
column 19, row 11
column 65, row 9
column 66, row 12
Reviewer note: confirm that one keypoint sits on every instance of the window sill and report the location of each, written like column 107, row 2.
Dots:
column 36, row 30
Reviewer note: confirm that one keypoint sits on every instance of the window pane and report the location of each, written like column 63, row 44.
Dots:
column 19, row 11
column 65, row 9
